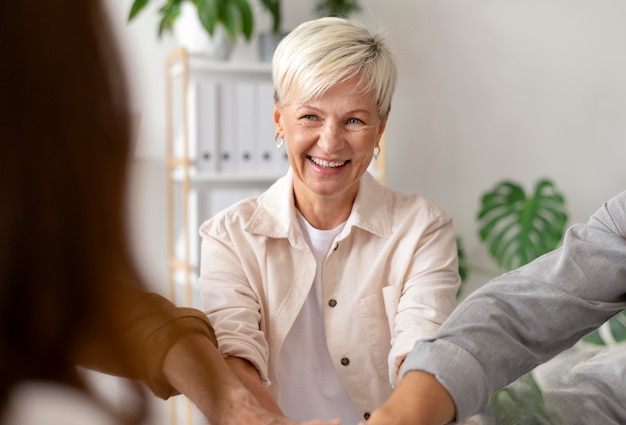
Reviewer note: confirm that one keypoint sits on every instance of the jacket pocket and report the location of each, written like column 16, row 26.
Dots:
column 391, row 299
column 376, row 327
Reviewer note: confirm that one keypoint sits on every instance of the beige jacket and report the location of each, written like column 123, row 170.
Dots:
column 390, row 279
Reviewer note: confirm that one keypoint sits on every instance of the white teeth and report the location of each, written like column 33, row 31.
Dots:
column 327, row 164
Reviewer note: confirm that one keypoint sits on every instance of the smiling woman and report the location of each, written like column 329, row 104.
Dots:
column 319, row 287
column 330, row 143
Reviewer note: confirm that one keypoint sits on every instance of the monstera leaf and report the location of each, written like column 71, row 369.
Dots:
column 520, row 227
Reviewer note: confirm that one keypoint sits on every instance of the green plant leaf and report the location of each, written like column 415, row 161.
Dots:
column 235, row 15
column 136, row 7
column 594, row 338
column 519, row 227
column 208, row 13
column 522, row 403
column 169, row 12
column 463, row 269
column 237, row 18
column 273, row 6
column 617, row 326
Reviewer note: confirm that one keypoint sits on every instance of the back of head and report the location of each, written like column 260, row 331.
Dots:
column 64, row 143
column 320, row 53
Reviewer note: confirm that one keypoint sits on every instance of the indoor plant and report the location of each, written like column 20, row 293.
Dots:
column 517, row 227
column 215, row 22
column 520, row 227
column 235, row 16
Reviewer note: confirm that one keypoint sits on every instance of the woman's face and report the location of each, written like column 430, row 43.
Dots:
column 330, row 140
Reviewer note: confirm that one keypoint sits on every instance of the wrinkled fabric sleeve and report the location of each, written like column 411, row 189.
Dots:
column 428, row 295
column 592, row 391
column 153, row 326
column 230, row 302
column 527, row 316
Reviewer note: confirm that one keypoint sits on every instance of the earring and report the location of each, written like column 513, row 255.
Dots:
column 279, row 141
column 376, row 152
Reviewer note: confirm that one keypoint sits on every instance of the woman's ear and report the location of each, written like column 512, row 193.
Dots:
column 381, row 129
column 277, row 116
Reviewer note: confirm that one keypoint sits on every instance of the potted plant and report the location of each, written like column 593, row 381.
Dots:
column 219, row 22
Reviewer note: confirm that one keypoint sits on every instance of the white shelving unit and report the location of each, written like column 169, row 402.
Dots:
column 220, row 148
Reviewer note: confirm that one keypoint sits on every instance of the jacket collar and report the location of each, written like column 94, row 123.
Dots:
column 370, row 211
column 275, row 214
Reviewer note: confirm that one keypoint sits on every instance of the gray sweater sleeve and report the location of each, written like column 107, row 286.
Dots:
column 527, row 316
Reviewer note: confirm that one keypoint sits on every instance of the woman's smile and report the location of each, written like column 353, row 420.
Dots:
column 326, row 164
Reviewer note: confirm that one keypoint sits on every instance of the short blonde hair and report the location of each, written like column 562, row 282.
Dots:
column 323, row 52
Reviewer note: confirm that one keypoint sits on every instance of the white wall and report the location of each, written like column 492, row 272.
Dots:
column 514, row 89
column 488, row 90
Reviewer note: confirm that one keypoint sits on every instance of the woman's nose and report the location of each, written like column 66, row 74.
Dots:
column 331, row 137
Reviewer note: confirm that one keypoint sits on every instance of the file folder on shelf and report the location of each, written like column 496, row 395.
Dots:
column 228, row 122
column 203, row 123
column 247, row 118
column 266, row 130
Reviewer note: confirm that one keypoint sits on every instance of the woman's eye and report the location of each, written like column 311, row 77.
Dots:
column 354, row 121
column 310, row 121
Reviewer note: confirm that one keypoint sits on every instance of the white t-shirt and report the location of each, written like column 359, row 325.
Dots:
column 310, row 387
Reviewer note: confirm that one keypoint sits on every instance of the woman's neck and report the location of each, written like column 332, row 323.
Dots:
column 324, row 213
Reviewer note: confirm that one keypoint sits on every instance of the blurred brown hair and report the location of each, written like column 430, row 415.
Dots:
column 64, row 146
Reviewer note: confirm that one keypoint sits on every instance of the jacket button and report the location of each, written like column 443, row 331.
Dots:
column 332, row 302
column 335, row 247
column 345, row 361
column 366, row 415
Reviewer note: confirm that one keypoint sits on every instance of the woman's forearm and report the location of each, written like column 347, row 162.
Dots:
column 418, row 399
column 249, row 376
column 195, row 368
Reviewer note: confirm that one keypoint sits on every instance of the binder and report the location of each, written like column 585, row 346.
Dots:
column 205, row 116
column 247, row 119
column 228, row 128
column 266, row 131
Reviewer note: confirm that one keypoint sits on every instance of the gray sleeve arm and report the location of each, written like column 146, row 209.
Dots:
column 591, row 391
column 525, row 317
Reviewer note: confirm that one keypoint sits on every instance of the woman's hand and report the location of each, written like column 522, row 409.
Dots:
column 244, row 409
column 195, row 368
